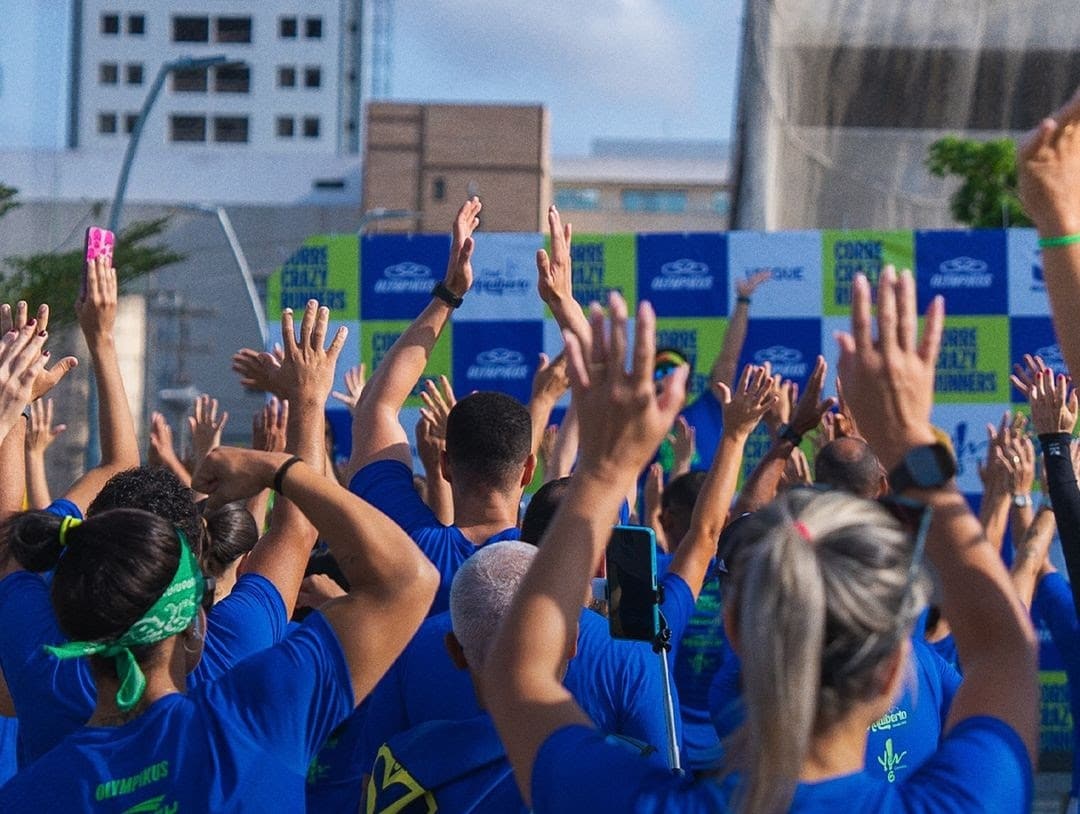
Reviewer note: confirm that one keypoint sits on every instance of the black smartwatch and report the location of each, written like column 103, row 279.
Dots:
column 785, row 433
column 925, row 467
column 446, row 295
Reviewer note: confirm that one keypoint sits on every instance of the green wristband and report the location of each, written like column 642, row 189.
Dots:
column 1062, row 240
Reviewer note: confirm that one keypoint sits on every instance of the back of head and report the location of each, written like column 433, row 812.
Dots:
column 155, row 490
column 677, row 502
column 488, row 440
column 850, row 465
column 541, row 509
column 231, row 533
column 115, row 565
column 823, row 590
column 481, row 593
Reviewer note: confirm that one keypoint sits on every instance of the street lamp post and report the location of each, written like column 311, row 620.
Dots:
column 382, row 213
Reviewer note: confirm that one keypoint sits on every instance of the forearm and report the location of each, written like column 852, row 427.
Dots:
column 1065, row 498
column 727, row 360
column 539, row 414
column 119, row 446
column 1020, row 518
column 437, row 493
column 761, row 486
column 1061, row 271
column 37, row 484
column 13, row 465
column 257, row 506
column 566, row 447
column 173, row 464
column 710, row 515
column 994, row 517
column 570, row 317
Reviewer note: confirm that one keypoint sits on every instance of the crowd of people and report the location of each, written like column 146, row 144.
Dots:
column 264, row 629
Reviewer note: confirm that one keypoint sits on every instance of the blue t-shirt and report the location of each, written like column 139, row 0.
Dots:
column 981, row 765
column 619, row 684
column 9, row 748
column 457, row 766
column 1055, row 606
column 241, row 743
column 53, row 698
column 900, row 741
column 388, row 486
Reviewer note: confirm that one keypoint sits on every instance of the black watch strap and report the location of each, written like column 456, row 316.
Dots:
column 446, row 295
column 785, row 433
column 925, row 467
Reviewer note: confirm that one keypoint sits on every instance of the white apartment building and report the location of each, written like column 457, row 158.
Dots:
column 290, row 84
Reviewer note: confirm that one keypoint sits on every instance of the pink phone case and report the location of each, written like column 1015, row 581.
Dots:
column 99, row 242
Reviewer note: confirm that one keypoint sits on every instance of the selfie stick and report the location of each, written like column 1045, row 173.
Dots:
column 661, row 645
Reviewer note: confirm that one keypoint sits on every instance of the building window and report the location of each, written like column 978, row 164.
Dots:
column 191, row 29
column 189, row 80
column 311, row 127
column 667, row 201
column 110, row 23
column 580, row 199
column 232, row 79
column 106, row 123
column 312, row 77
column 134, row 73
column 108, row 73
column 233, row 29
column 286, row 76
column 136, row 24
column 313, row 28
column 285, row 126
column 286, row 28
column 187, row 128
column 438, row 189
column 130, row 120
column 721, row 203
column 231, row 128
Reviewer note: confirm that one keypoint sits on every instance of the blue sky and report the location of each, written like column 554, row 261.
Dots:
column 604, row 68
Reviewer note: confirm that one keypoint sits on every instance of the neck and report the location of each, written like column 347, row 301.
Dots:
column 165, row 673
column 840, row 750
column 226, row 582
column 480, row 513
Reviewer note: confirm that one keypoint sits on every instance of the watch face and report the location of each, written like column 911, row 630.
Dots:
column 929, row 466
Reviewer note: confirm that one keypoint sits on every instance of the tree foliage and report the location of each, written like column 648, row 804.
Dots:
column 56, row 277
column 987, row 196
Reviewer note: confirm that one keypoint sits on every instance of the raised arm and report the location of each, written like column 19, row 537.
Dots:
column 622, row 422
column 391, row 582
column 1048, row 170
column 39, row 436
column 727, row 360
column 743, row 408
column 555, row 281
column 550, row 382
column 889, row 384
column 96, row 309
column 439, row 400
column 763, row 482
column 162, row 451
column 1030, row 555
column 305, row 376
column 377, row 431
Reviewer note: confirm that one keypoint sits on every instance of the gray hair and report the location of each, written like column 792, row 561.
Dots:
column 481, row 593
column 824, row 590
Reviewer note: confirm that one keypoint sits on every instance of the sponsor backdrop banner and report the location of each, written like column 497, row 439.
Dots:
column 992, row 281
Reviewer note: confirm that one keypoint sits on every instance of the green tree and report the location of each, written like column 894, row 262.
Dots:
column 56, row 277
column 987, row 195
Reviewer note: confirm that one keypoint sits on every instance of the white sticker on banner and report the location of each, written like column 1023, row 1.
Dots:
column 965, row 424
column 504, row 278
column 793, row 258
column 1027, row 291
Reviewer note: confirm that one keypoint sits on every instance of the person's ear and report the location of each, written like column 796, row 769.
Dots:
column 457, row 653
column 528, row 471
column 444, row 466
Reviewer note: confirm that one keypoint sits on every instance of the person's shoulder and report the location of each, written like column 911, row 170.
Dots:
column 380, row 471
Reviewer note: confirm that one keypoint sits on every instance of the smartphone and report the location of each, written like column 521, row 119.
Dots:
column 633, row 604
column 99, row 242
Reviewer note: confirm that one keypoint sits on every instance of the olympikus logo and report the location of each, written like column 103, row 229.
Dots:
column 788, row 362
column 962, row 272
column 499, row 283
column 404, row 278
column 683, row 275
column 499, row 363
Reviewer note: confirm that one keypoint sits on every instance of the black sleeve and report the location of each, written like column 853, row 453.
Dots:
column 1065, row 498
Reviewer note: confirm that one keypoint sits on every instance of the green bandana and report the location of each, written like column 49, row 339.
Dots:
column 171, row 614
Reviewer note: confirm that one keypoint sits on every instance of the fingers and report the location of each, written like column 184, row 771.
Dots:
column 307, row 324
column 617, row 341
column 336, row 344
column 906, row 312
column 861, row 329
column 318, row 333
column 288, row 334
column 930, row 344
column 888, row 318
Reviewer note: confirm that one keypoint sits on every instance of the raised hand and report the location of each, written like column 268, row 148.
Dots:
column 746, row 286
column 683, row 443
column 97, row 305
column 811, row 407
column 755, row 394
column 459, row 272
column 305, row 373
column 889, row 382
column 257, row 369
column 269, row 426
column 623, row 417
column 779, row 412
column 553, row 279
column 355, row 379
column 40, row 432
column 438, row 404
column 796, row 471
column 229, row 474
column 547, row 447
column 205, row 426
column 19, row 318
column 1048, row 170
column 1054, row 403
column 1023, row 377
column 22, row 359
column 550, row 381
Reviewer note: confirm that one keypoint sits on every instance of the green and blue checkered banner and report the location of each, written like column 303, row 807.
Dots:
column 992, row 282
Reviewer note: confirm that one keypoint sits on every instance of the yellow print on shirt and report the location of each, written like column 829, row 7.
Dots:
column 392, row 790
